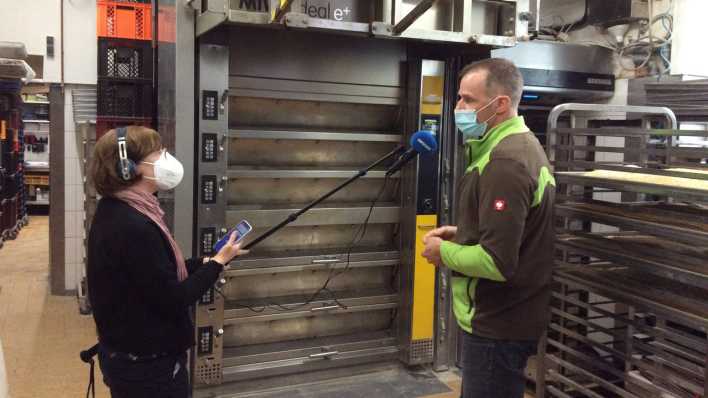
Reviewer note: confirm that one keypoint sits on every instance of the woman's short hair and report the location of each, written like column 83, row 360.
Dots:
column 104, row 173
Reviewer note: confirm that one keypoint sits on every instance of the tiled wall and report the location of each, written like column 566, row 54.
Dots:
column 74, row 198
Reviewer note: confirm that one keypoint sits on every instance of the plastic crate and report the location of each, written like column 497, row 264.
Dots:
column 9, row 185
column 15, row 119
column 124, row 59
column 9, row 101
column 124, row 20
column 12, row 85
column 121, row 98
column 9, row 214
column 6, row 215
column 104, row 124
column 10, row 162
column 166, row 21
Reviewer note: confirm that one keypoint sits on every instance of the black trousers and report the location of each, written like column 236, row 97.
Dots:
column 494, row 368
column 165, row 377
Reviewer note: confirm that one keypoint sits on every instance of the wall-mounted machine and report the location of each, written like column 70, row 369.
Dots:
column 556, row 73
column 561, row 72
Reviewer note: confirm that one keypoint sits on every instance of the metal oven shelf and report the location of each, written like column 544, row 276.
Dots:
column 305, row 348
column 313, row 257
column 250, row 172
column 237, row 312
column 581, row 178
column 340, row 355
column 642, row 252
column 294, row 261
column 661, row 338
column 315, row 135
column 342, row 214
column 681, row 223
column 647, row 292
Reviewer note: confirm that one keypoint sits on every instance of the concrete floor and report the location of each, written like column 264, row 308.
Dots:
column 42, row 334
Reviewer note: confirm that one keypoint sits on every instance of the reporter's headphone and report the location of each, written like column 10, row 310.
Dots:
column 125, row 166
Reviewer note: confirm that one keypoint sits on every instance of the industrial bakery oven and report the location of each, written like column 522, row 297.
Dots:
column 288, row 105
column 280, row 125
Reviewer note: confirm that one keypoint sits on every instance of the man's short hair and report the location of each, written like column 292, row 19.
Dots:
column 503, row 77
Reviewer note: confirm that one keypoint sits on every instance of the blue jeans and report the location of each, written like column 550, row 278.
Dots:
column 494, row 368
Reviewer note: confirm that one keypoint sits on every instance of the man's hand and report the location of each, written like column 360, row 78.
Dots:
column 432, row 250
column 447, row 232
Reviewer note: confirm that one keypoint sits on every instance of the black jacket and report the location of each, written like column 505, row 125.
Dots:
column 138, row 304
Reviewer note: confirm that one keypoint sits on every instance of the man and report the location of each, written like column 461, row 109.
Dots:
column 501, row 251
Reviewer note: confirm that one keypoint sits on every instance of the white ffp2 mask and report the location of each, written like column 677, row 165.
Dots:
column 168, row 171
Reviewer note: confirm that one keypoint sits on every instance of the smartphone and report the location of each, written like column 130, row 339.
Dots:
column 242, row 229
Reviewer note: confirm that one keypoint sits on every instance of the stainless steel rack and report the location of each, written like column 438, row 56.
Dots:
column 630, row 305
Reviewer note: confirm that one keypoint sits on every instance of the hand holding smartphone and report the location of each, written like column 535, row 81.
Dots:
column 242, row 229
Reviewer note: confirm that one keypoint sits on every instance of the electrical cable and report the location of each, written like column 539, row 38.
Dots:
column 651, row 23
column 654, row 45
column 363, row 228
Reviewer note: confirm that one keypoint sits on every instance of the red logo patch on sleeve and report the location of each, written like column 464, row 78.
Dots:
column 499, row 205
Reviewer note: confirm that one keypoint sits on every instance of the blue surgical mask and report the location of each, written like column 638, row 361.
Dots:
column 466, row 121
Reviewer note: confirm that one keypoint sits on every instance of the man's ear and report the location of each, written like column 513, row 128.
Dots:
column 503, row 105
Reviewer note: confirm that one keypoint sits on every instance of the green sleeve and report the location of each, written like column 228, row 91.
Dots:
column 472, row 261
column 505, row 197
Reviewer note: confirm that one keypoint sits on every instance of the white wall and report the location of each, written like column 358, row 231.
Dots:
column 80, row 47
column 73, row 197
column 688, row 55
column 31, row 21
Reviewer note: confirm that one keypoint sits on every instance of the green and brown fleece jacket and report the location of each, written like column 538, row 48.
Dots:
column 502, row 255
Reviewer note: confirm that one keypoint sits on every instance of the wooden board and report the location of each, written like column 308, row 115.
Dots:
column 659, row 181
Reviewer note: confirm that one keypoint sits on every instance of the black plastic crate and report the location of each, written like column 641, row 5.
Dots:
column 9, row 214
column 11, row 85
column 105, row 124
column 10, row 162
column 9, row 185
column 8, row 102
column 124, row 58
column 124, row 98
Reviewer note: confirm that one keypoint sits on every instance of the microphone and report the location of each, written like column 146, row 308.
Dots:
column 421, row 142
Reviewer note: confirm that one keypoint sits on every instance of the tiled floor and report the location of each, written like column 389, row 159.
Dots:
column 42, row 334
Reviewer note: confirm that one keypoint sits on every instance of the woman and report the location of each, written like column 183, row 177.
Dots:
column 140, row 285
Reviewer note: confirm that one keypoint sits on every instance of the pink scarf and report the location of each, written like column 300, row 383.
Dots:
column 149, row 206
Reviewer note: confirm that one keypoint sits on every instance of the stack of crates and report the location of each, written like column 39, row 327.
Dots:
column 124, row 96
column 125, row 64
column 13, row 210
